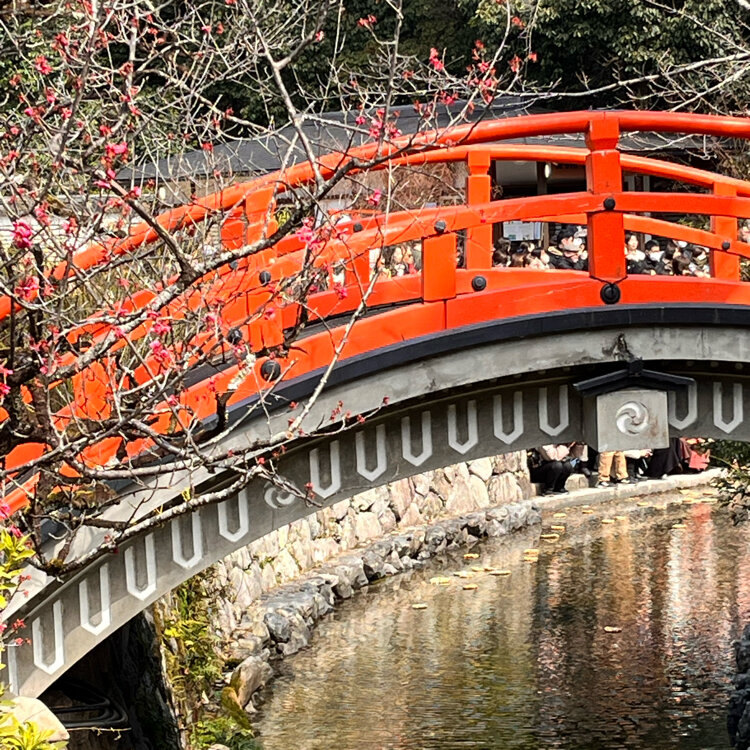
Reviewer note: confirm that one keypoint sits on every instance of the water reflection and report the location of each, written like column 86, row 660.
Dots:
column 524, row 661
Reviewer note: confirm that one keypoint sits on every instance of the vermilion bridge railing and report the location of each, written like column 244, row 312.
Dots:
column 442, row 296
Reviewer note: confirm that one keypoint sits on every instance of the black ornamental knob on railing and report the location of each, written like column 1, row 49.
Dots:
column 264, row 277
column 610, row 294
column 234, row 336
column 270, row 369
column 440, row 226
column 610, row 203
column 478, row 283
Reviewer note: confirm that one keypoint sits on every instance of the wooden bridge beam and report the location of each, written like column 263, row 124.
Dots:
column 478, row 190
column 724, row 266
column 606, row 234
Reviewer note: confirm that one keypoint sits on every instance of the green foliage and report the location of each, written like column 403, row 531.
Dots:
column 589, row 44
column 224, row 731
column 734, row 492
column 195, row 666
column 731, row 452
column 17, row 736
column 14, row 551
column 734, row 485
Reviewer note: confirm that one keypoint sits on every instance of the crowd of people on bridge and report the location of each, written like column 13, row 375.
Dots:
column 655, row 256
column 399, row 260
column 552, row 465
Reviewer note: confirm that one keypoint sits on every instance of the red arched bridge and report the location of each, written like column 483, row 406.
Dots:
column 449, row 364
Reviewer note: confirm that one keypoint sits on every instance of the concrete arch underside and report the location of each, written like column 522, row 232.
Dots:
column 485, row 395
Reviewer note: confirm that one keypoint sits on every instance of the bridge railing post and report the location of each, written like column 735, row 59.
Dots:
column 724, row 266
column 358, row 272
column 606, row 232
column 478, row 190
column 439, row 267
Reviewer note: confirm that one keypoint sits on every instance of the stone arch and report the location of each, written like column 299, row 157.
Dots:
column 489, row 398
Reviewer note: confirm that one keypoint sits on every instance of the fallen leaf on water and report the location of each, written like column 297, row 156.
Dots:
column 478, row 568
column 643, row 504
column 612, row 629
column 469, row 586
column 678, row 526
column 587, row 511
column 499, row 572
column 471, row 556
column 621, row 518
column 441, row 580
column 462, row 574
column 531, row 559
column 558, row 528
column 550, row 537
column 531, row 551
column 608, row 520
column 560, row 515
column 419, row 605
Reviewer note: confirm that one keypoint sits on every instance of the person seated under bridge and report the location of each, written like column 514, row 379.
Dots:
column 609, row 460
column 567, row 254
column 550, row 466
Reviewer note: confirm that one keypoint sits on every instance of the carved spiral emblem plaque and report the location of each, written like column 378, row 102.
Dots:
column 632, row 418
column 276, row 498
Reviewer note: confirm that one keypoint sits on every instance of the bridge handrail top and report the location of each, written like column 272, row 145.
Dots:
column 471, row 133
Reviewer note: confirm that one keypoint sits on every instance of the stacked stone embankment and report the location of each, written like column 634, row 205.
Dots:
column 279, row 624
column 270, row 594
column 285, row 554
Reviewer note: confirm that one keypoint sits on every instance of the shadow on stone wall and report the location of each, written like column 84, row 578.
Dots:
column 127, row 669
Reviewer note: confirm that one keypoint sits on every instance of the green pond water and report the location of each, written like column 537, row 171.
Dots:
column 524, row 662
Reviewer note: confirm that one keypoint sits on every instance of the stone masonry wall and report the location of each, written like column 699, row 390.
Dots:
column 285, row 554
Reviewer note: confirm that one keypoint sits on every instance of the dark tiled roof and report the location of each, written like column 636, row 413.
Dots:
column 338, row 131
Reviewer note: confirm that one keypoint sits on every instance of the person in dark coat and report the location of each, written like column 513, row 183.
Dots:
column 550, row 466
column 665, row 461
column 567, row 254
column 656, row 260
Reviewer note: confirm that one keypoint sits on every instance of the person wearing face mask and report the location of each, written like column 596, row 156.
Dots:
column 656, row 263
column 567, row 254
